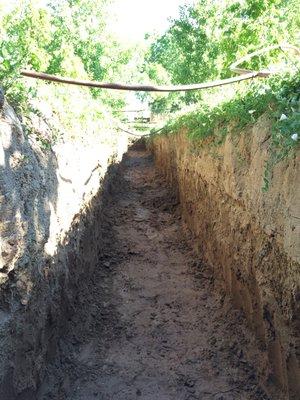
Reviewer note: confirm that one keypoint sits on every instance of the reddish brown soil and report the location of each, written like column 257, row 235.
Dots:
column 150, row 324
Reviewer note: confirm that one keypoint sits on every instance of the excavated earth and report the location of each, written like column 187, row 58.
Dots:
column 149, row 321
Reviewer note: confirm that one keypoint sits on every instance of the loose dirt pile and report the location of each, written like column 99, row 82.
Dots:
column 149, row 322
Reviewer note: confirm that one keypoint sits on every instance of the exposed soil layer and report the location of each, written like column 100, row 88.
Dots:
column 148, row 321
column 248, row 236
column 50, row 240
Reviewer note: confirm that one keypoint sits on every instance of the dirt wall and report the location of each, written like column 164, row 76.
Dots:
column 50, row 237
column 249, row 237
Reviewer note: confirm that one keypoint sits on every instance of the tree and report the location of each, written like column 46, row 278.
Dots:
column 209, row 36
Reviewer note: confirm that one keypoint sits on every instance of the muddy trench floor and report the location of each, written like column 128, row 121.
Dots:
column 150, row 323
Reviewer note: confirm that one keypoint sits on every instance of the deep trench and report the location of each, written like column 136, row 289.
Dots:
column 149, row 321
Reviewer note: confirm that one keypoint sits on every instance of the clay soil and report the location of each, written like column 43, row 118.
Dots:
column 150, row 323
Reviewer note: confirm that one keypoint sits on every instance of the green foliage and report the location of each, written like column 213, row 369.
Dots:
column 69, row 38
column 278, row 97
column 65, row 38
column 201, row 45
column 209, row 36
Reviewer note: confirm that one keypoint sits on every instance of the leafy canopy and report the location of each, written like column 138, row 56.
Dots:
column 209, row 36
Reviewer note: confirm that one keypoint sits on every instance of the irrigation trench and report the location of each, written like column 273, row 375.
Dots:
column 149, row 323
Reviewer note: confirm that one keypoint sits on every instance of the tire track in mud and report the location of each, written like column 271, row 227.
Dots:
column 149, row 323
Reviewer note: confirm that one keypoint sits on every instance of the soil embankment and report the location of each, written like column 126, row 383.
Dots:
column 249, row 237
column 49, row 242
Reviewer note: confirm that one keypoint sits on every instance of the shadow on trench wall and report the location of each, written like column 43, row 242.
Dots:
column 28, row 184
column 39, row 293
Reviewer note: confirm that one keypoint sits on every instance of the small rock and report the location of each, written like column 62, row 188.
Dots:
column 213, row 341
column 24, row 301
column 189, row 383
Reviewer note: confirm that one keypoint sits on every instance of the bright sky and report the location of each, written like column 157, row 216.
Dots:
column 137, row 17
